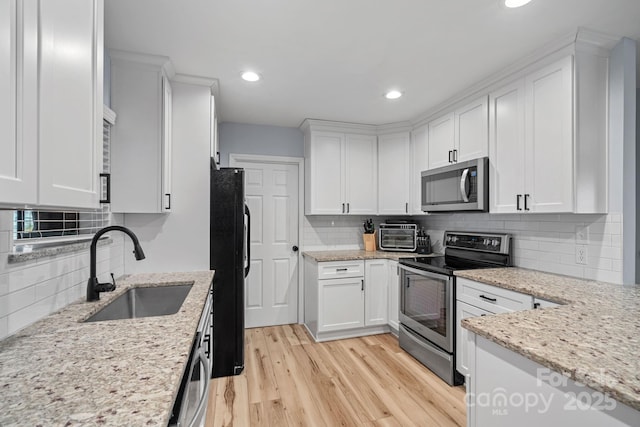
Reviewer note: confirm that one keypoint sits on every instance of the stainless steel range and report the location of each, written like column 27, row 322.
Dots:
column 427, row 296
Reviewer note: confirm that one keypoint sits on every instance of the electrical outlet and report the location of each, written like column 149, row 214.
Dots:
column 581, row 254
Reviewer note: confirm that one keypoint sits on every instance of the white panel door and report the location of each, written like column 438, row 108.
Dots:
column 326, row 169
column 18, row 103
column 340, row 304
column 419, row 163
column 393, row 174
column 271, row 192
column 472, row 130
column 70, row 109
column 376, row 277
column 361, row 174
column 441, row 141
column 506, row 148
column 549, row 138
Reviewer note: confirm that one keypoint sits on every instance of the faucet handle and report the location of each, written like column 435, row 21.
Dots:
column 107, row 287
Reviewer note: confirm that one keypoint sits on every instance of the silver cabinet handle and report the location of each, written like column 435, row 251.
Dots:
column 464, row 181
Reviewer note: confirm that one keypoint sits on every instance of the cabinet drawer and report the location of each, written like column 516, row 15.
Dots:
column 335, row 270
column 491, row 298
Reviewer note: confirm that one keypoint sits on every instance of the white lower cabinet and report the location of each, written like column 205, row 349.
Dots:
column 375, row 290
column 346, row 298
column 394, row 295
column 341, row 304
column 506, row 389
column 479, row 299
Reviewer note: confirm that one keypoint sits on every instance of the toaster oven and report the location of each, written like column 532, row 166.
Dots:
column 398, row 237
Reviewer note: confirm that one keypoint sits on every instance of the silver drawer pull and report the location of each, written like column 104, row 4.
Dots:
column 488, row 299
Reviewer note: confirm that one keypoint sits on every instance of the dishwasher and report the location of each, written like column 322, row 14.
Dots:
column 190, row 407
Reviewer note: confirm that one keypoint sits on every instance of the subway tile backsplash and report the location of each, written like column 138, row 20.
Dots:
column 545, row 242
column 34, row 289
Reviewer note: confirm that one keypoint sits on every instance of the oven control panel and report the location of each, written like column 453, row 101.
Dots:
column 496, row 243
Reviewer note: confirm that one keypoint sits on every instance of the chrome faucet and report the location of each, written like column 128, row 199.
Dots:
column 93, row 287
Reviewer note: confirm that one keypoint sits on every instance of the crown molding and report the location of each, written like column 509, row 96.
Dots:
column 163, row 62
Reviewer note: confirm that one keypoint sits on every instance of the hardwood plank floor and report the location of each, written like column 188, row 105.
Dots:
column 290, row 380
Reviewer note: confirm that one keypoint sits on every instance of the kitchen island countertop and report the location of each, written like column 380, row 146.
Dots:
column 594, row 338
column 60, row 371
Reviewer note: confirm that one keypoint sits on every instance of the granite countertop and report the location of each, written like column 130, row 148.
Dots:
column 60, row 371
column 359, row 254
column 593, row 339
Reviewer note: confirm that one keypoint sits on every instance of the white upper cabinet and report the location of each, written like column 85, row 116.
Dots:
column 341, row 173
column 18, row 108
column 51, row 91
column 215, row 144
column 141, row 140
column 394, row 172
column 419, row 162
column 361, row 189
column 460, row 135
column 441, row 141
column 471, row 131
column 537, row 163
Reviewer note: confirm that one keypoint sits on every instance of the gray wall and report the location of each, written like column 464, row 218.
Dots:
column 240, row 138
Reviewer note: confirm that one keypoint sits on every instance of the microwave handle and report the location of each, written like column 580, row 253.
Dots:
column 464, row 184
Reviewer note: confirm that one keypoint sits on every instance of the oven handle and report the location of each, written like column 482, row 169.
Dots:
column 424, row 272
column 202, row 405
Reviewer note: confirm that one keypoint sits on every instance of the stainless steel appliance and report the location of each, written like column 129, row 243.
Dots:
column 398, row 237
column 230, row 254
column 462, row 186
column 190, row 406
column 427, row 296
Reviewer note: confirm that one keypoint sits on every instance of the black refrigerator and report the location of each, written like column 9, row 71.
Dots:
column 229, row 257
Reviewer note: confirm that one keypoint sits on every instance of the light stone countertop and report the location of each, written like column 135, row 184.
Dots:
column 60, row 371
column 350, row 255
column 593, row 339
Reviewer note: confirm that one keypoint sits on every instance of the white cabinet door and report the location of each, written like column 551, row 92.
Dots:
column 419, row 163
column 548, row 138
column 141, row 140
column 70, row 108
column 394, row 295
column 441, row 141
column 472, row 130
column 506, row 148
column 340, row 304
column 393, row 174
column 167, row 150
column 325, row 165
column 18, row 108
column 361, row 189
column 463, row 311
column 376, row 277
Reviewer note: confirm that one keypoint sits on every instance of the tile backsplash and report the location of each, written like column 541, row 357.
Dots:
column 34, row 289
column 545, row 242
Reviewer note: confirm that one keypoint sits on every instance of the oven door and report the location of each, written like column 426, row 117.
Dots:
column 426, row 305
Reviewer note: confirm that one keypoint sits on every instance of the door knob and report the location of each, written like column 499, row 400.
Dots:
column 294, row 248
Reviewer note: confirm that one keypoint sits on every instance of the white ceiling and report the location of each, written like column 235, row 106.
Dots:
column 334, row 59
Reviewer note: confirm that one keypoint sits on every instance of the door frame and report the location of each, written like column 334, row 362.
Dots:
column 234, row 158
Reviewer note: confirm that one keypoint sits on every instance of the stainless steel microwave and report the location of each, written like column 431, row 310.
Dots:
column 461, row 186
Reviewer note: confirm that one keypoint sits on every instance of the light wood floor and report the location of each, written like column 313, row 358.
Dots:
column 289, row 380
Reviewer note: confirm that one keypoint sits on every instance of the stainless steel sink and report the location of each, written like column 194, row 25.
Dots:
column 144, row 302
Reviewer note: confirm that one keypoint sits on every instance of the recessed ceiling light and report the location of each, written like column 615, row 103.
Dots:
column 393, row 94
column 515, row 3
column 250, row 76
